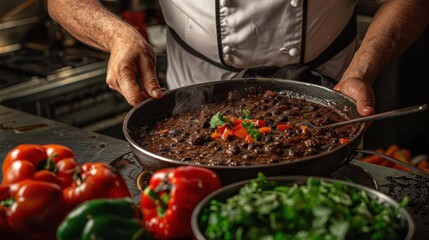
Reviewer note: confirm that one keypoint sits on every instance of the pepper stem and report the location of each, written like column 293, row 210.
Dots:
column 161, row 200
column 7, row 202
column 77, row 176
column 48, row 164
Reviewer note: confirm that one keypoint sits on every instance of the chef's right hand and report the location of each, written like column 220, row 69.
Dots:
column 131, row 55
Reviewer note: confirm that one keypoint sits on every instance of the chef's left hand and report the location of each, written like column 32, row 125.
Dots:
column 361, row 91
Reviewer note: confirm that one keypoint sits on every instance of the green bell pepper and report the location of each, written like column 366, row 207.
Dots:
column 103, row 219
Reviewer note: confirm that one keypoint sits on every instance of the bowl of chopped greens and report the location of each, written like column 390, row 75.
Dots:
column 300, row 207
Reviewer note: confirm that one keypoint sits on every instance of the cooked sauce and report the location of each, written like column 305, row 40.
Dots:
column 192, row 137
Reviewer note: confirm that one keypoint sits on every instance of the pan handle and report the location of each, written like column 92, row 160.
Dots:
column 414, row 169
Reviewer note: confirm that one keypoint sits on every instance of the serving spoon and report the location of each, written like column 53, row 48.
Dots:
column 378, row 116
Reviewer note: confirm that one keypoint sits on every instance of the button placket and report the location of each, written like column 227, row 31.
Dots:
column 294, row 3
column 227, row 50
column 225, row 3
column 294, row 52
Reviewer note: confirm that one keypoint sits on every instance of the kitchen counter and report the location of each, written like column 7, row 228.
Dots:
column 17, row 127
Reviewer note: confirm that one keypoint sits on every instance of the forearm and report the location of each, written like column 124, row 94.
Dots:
column 395, row 26
column 88, row 21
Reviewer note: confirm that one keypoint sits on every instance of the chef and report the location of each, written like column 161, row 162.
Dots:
column 207, row 40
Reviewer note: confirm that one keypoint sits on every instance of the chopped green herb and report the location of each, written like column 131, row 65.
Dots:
column 217, row 120
column 317, row 210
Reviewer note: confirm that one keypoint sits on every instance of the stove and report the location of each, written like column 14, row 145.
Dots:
column 43, row 62
column 65, row 84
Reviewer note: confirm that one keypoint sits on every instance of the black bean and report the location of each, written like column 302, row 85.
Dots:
column 263, row 107
column 310, row 151
column 268, row 114
column 244, row 144
column 273, row 149
column 283, row 118
column 277, row 112
column 196, row 140
column 311, row 143
column 293, row 152
column 165, row 149
column 268, row 138
column 251, row 146
column 232, row 150
column 180, row 152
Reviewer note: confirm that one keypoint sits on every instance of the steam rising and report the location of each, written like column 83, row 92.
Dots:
column 188, row 99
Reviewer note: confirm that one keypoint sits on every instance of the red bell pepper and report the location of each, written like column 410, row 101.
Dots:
column 52, row 163
column 172, row 194
column 31, row 209
column 95, row 180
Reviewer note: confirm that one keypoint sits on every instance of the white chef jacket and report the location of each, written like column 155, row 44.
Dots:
column 244, row 34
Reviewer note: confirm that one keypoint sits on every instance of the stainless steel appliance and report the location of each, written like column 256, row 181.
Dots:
column 66, row 85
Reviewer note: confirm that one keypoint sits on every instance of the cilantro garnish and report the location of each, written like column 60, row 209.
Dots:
column 217, row 120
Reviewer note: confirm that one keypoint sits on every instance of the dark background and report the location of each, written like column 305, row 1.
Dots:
column 405, row 83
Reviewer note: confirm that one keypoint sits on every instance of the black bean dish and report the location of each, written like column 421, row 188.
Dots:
column 249, row 129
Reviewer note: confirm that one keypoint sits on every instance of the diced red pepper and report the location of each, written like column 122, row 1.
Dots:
column 264, row 129
column 235, row 121
column 236, row 127
column 215, row 135
column 241, row 133
column 249, row 139
column 283, row 127
column 344, row 140
column 227, row 133
column 259, row 123
column 221, row 129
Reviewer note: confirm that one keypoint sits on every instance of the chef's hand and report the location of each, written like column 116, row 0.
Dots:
column 361, row 91
column 130, row 56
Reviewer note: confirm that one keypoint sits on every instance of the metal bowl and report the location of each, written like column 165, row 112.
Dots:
column 233, row 189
